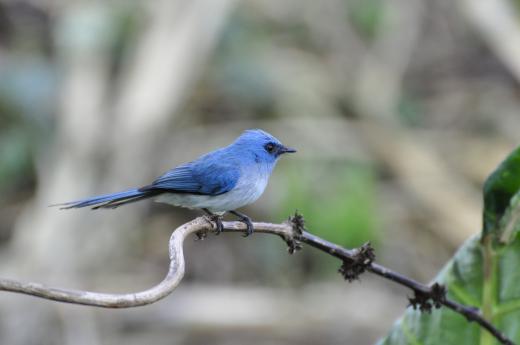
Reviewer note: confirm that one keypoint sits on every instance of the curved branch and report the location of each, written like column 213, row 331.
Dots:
column 355, row 262
column 159, row 291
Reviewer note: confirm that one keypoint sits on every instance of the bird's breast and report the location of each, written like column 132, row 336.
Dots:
column 250, row 185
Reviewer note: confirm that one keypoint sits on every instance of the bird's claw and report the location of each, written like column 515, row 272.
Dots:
column 249, row 225
column 246, row 220
column 215, row 218
column 219, row 227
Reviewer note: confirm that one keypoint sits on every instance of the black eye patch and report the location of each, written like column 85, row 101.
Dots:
column 270, row 147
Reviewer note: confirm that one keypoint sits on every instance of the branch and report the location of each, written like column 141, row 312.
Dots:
column 355, row 262
column 199, row 226
column 161, row 290
column 425, row 297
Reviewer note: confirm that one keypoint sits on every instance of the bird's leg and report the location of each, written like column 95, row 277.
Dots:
column 246, row 220
column 215, row 218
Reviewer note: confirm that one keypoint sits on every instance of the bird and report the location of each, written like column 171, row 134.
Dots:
column 217, row 182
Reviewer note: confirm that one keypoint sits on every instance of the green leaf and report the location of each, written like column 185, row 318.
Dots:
column 483, row 273
column 499, row 189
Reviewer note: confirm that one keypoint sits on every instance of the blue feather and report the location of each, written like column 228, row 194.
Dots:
column 107, row 200
column 212, row 174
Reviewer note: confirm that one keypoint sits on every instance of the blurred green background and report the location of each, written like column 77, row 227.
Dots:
column 398, row 109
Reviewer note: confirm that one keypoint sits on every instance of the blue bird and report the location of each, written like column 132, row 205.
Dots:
column 218, row 182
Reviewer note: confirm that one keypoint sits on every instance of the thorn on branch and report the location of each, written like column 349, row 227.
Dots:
column 426, row 301
column 363, row 257
column 293, row 245
column 297, row 223
column 201, row 235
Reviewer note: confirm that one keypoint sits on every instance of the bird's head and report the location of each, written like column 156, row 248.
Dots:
column 263, row 146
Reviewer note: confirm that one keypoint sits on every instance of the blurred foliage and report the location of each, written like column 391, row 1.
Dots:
column 25, row 121
column 366, row 16
column 15, row 158
column 409, row 110
column 337, row 199
column 27, row 94
column 125, row 28
column 484, row 274
column 240, row 73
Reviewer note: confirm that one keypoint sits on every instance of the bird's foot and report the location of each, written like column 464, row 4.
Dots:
column 215, row 218
column 246, row 220
column 219, row 227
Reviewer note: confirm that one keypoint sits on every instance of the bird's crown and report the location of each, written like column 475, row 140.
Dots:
column 256, row 136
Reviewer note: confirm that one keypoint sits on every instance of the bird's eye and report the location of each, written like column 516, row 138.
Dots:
column 269, row 147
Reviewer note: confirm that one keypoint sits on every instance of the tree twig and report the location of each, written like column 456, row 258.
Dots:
column 355, row 262
column 425, row 297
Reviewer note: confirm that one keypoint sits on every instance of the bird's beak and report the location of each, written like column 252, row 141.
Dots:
column 287, row 150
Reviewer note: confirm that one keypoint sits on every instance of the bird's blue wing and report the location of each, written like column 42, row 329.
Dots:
column 179, row 179
column 204, row 178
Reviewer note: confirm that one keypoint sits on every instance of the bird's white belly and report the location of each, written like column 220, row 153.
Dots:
column 248, row 189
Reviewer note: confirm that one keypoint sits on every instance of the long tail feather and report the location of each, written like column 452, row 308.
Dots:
column 108, row 200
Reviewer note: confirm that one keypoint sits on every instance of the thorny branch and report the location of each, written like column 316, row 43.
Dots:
column 355, row 262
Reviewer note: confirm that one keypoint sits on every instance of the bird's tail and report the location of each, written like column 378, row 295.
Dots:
column 109, row 200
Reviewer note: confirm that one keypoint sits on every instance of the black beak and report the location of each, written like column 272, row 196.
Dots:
column 287, row 150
